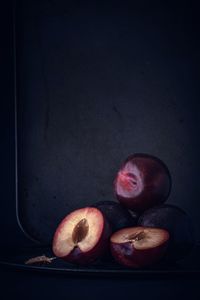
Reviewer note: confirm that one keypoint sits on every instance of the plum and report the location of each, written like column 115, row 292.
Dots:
column 82, row 236
column 142, row 182
column 137, row 247
column 177, row 223
column 118, row 216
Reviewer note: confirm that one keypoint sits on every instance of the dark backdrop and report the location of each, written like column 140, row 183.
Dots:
column 95, row 83
column 175, row 91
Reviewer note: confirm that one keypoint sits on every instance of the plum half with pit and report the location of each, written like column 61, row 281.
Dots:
column 179, row 225
column 143, row 181
column 82, row 236
column 118, row 216
column 138, row 247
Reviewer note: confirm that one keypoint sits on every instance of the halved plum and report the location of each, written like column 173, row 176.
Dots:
column 137, row 247
column 82, row 236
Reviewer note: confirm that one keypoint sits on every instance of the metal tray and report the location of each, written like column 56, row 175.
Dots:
column 187, row 267
column 91, row 88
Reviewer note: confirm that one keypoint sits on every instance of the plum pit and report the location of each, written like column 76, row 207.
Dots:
column 80, row 231
column 136, row 236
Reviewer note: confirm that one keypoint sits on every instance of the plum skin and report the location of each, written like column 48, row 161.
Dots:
column 177, row 223
column 153, row 182
column 76, row 256
column 128, row 256
column 117, row 215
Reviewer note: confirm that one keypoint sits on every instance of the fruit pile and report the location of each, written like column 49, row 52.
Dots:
column 138, row 231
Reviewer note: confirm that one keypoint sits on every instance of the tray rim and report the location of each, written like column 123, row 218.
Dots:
column 24, row 253
column 103, row 272
column 14, row 30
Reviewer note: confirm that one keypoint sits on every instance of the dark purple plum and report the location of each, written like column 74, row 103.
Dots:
column 143, row 181
column 177, row 223
column 118, row 216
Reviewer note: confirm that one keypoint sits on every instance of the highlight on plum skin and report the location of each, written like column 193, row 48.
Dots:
column 82, row 236
column 142, row 182
column 126, row 181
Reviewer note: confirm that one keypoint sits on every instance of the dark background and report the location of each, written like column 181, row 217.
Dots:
column 163, row 89
column 95, row 83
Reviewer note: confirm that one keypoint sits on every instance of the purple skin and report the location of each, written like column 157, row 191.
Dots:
column 126, row 255
column 143, row 181
column 177, row 223
column 117, row 215
column 76, row 256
